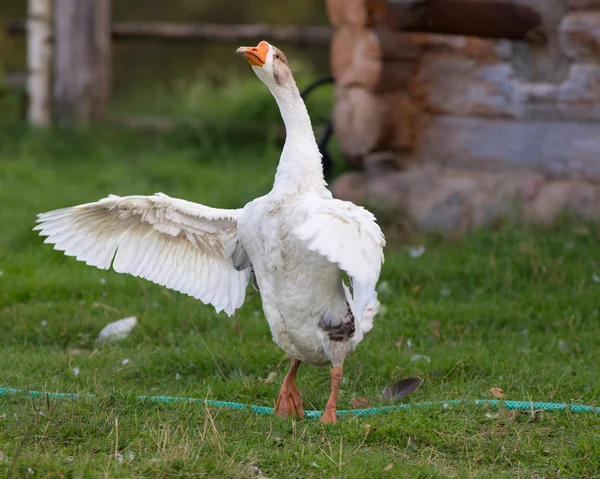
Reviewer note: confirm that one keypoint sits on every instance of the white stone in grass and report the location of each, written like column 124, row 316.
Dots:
column 76, row 372
column 125, row 362
column 416, row 251
column 117, row 330
column 253, row 471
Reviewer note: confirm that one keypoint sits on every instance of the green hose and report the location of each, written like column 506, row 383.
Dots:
column 503, row 404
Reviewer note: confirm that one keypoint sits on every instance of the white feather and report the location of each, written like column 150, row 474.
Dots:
column 347, row 235
column 117, row 330
column 172, row 242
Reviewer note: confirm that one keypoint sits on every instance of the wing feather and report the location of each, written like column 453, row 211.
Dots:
column 172, row 242
column 346, row 235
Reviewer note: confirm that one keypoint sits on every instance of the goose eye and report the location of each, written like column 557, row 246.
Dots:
column 277, row 55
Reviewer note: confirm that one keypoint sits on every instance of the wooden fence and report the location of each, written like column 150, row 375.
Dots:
column 68, row 79
column 166, row 31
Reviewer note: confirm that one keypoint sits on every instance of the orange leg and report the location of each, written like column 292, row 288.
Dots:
column 329, row 416
column 289, row 403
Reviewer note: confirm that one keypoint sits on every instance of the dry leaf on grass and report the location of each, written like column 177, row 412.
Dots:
column 369, row 429
column 435, row 326
column 497, row 393
column 269, row 379
column 402, row 388
column 359, row 403
column 388, row 467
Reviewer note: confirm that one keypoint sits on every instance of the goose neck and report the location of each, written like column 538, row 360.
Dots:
column 300, row 165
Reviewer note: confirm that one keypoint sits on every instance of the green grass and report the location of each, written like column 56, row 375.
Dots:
column 514, row 308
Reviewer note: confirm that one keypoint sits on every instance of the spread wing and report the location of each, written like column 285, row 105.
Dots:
column 348, row 236
column 182, row 245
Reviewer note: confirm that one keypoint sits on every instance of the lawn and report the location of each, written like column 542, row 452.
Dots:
column 511, row 308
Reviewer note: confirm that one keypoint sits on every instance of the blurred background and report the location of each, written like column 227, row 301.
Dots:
column 155, row 64
column 448, row 112
column 158, row 77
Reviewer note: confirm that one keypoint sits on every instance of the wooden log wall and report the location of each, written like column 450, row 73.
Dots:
column 509, row 19
column 372, row 66
column 390, row 79
column 453, row 129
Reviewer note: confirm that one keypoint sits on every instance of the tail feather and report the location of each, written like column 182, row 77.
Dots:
column 364, row 306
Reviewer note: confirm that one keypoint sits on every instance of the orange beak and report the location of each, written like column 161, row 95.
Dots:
column 256, row 56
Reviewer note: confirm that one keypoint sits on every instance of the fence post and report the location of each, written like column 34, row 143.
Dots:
column 82, row 67
column 39, row 62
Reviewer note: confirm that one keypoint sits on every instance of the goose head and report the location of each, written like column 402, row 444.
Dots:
column 271, row 66
column 300, row 163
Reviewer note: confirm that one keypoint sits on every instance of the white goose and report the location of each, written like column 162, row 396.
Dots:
column 296, row 240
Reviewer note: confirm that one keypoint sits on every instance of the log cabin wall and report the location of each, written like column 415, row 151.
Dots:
column 452, row 131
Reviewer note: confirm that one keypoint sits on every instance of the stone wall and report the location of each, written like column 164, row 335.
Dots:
column 451, row 132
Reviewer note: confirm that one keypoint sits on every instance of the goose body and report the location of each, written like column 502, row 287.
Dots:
column 296, row 241
column 304, row 299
